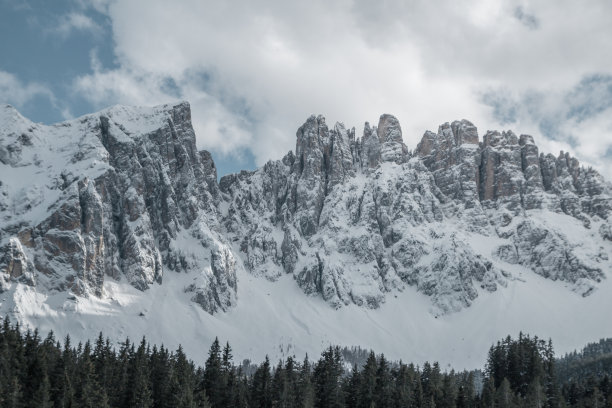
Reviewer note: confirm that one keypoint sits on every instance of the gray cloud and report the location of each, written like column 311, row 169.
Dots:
column 254, row 72
column 18, row 93
column 578, row 117
column 528, row 20
column 590, row 97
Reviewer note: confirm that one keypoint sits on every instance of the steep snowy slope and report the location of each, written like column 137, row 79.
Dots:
column 115, row 222
column 276, row 319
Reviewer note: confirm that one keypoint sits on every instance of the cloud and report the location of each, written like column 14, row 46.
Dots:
column 254, row 72
column 224, row 130
column 75, row 22
column 528, row 20
column 578, row 118
column 17, row 93
column 17, row 5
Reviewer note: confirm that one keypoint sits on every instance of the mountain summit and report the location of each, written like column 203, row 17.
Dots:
column 123, row 197
column 356, row 218
column 124, row 194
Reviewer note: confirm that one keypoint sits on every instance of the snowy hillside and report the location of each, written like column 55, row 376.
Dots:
column 115, row 222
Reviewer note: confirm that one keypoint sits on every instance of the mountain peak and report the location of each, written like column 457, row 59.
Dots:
column 120, row 207
column 340, row 204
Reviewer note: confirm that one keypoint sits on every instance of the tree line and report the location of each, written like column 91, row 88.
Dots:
column 44, row 372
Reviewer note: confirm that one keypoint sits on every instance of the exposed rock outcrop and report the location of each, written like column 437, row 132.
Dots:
column 125, row 195
column 112, row 194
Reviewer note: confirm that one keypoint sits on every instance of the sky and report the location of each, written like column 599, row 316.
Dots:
column 253, row 71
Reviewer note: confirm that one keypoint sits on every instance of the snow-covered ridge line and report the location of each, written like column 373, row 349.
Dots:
column 124, row 194
column 429, row 254
column 354, row 219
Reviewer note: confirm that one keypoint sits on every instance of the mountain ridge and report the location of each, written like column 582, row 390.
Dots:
column 388, row 191
column 450, row 176
column 117, row 214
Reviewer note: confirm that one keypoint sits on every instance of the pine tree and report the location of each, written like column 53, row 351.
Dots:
column 327, row 376
column 14, row 395
column 418, row 397
column 292, row 379
column 241, row 394
column 213, row 375
column 89, row 394
column 181, row 390
column 159, row 362
column 552, row 389
column 352, row 388
column 139, row 389
column 200, row 397
column 504, row 396
column 384, row 384
column 367, row 394
column 280, row 387
column 228, row 372
column 403, row 390
column 42, row 396
column 465, row 391
column 536, row 397
column 448, row 391
column 261, row 395
column 306, row 392
column 488, row 393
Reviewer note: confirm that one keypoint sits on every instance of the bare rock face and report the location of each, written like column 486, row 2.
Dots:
column 370, row 148
column 124, row 195
column 354, row 221
column 550, row 254
column 112, row 196
column 501, row 160
column 390, row 137
column 453, row 156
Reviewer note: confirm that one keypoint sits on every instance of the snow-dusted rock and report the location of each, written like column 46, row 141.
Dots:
column 353, row 224
column 124, row 195
column 107, row 195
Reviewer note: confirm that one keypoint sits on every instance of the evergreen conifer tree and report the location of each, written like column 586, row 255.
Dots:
column 384, row 384
column 214, row 376
column 306, row 389
column 367, row 395
column 261, row 395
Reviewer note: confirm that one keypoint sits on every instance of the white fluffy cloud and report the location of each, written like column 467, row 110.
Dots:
column 18, row 93
column 254, row 71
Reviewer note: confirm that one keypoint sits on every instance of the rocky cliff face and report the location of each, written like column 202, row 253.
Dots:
column 125, row 195
column 122, row 194
column 356, row 218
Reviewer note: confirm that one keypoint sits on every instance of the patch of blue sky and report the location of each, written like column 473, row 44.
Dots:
column 50, row 43
column 234, row 163
column 590, row 97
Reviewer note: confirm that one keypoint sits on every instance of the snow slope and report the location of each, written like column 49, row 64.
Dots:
column 277, row 319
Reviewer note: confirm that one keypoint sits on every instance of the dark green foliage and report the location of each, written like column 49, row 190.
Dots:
column 327, row 379
column 261, row 386
column 519, row 373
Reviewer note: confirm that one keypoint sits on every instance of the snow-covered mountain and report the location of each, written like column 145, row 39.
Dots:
column 115, row 221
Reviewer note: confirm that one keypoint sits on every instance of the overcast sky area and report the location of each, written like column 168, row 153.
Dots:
column 254, row 71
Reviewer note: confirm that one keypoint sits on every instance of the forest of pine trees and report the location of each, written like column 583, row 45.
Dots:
column 37, row 372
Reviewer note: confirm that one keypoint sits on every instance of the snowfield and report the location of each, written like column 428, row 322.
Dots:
column 277, row 319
